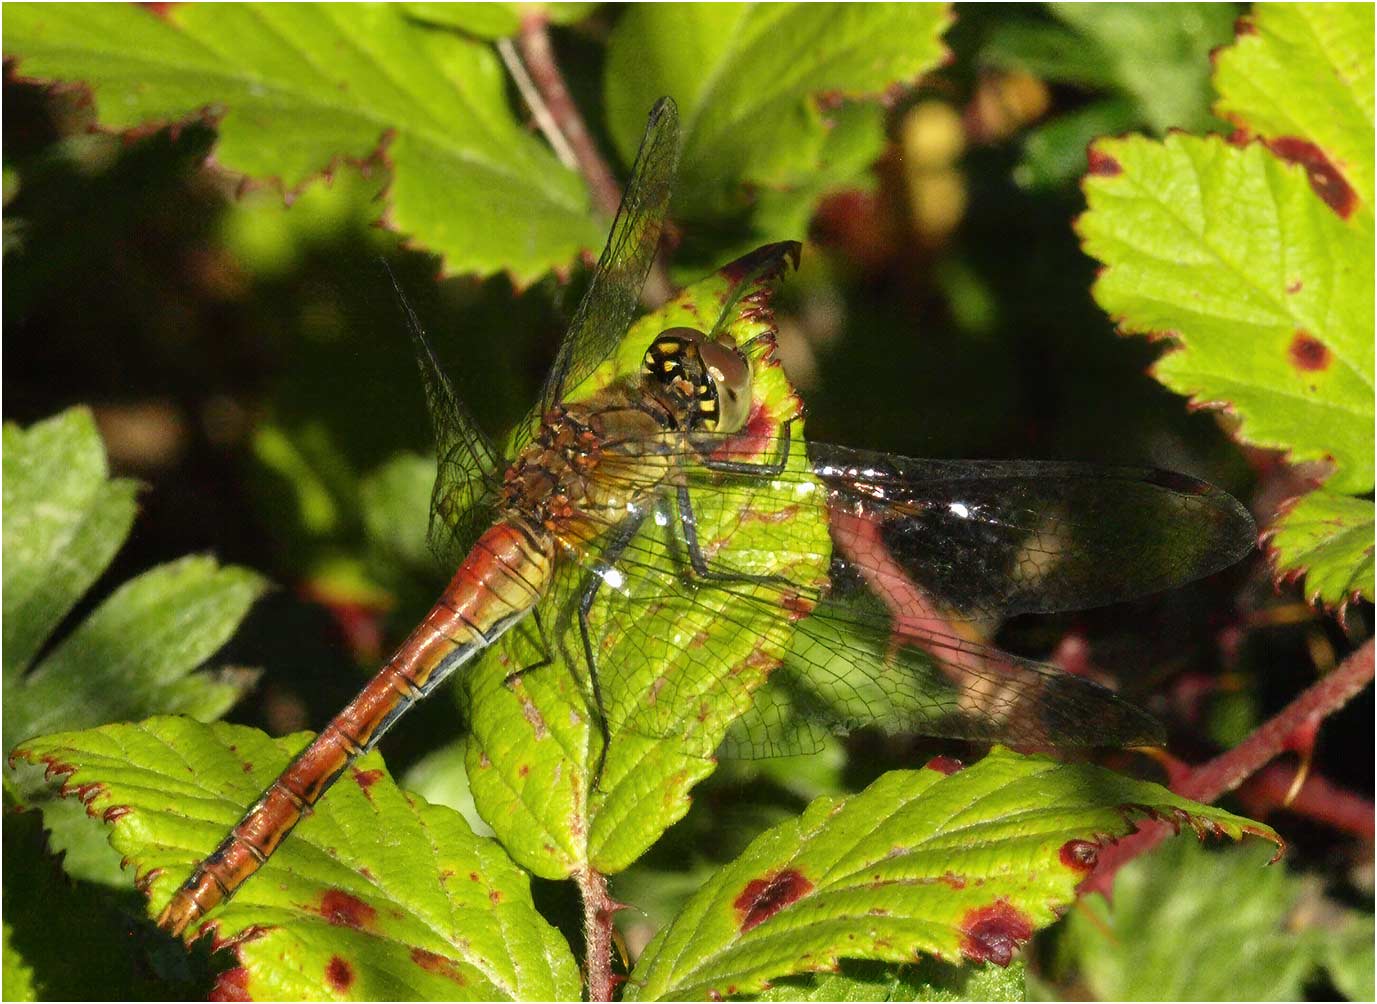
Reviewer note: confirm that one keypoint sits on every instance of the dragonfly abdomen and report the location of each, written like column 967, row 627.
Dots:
column 498, row 583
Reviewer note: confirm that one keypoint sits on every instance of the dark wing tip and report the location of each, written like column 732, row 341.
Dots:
column 1235, row 532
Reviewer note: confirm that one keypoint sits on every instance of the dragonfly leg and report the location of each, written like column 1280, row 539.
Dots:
column 689, row 528
column 621, row 537
column 545, row 660
column 775, row 466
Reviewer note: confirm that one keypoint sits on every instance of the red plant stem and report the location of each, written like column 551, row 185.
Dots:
column 1319, row 799
column 539, row 57
column 598, row 909
column 1230, row 769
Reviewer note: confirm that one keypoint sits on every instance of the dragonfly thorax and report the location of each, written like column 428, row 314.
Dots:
column 555, row 478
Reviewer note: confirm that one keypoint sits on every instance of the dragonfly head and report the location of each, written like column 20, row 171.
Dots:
column 706, row 381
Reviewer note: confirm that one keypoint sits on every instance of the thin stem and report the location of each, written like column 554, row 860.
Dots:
column 558, row 115
column 1227, row 771
column 539, row 57
column 598, row 909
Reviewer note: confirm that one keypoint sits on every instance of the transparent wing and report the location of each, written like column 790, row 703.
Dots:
column 468, row 464
column 912, row 549
column 611, row 302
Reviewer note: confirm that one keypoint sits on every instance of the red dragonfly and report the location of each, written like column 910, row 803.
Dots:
column 630, row 501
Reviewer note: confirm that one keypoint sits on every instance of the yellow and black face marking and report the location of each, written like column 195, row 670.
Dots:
column 708, row 382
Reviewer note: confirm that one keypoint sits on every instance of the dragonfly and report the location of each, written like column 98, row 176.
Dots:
column 868, row 572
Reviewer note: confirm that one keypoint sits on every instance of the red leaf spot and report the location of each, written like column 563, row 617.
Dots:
column 344, row 910
column 248, row 767
column 494, row 896
column 231, row 985
column 1294, row 286
column 1324, row 177
column 993, row 933
column 1103, row 164
column 473, row 876
column 115, row 813
column 524, row 769
column 1245, row 26
column 1308, row 353
column 944, row 764
column 86, row 792
column 338, row 973
column 1079, row 855
column 438, row 964
column 952, row 880
column 764, row 897
column 367, row 778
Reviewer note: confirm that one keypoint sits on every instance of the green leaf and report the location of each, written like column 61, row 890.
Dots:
column 962, row 865
column 1257, row 261
column 1193, row 924
column 377, row 895
column 1305, row 71
column 1158, row 55
column 139, row 652
column 1265, row 291
column 535, row 743
column 1349, row 957
column 747, row 78
column 928, row 980
column 1328, row 539
column 497, row 20
column 63, row 522
column 298, row 87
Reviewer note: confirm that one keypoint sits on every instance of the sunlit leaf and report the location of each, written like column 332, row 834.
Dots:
column 963, row 865
column 1327, row 538
column 748, row 79
column 1256, row 261
column 296, row 88
column 535, row 744
column 378, row 895
column 497, row 20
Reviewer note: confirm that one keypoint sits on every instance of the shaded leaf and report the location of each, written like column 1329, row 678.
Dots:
column 298, row 87
column 1193, row 924
column 1327, row 538
column 927, row 980
column 961, row 865
column 747, row 78
column 377, row 895
column 63, row 522
column 535, row 743
column 1349, row 957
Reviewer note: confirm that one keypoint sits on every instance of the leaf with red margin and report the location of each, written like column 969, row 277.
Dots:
column 377, row 895
column 534, row 749
column 1256, row 259
column 296, row 88
column 960, row 866
column 1328, row 539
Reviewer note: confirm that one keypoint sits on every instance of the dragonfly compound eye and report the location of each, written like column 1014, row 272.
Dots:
column 707, row 382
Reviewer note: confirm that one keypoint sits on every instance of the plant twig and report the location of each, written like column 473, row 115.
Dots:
column 598, row 909
column 539, row 57
column 559, row 119
column 1227, row 771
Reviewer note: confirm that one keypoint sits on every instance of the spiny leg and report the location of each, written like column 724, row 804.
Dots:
column 775, row 466
column 616, row 545
column 688, row 527
column 547, row 659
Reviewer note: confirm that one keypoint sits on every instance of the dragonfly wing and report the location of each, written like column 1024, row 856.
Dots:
column 988, row 539
column 915, row 550
column 468, row 464
column 613, row 297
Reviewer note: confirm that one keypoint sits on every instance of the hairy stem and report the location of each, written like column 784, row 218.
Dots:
column 598, row 909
